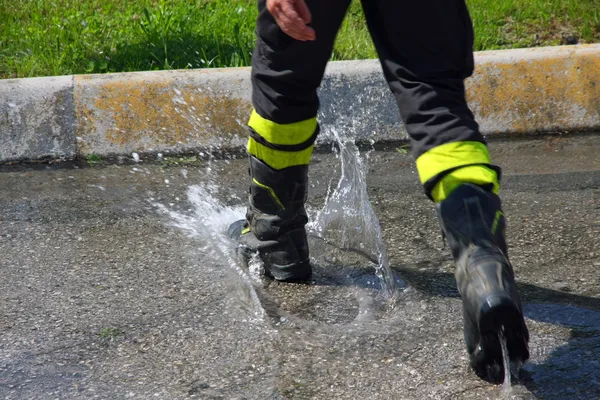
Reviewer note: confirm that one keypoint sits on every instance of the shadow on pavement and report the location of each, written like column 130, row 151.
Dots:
column 566, row 368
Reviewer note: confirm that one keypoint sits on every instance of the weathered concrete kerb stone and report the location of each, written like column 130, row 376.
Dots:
column 553, row 89
column 37, row 118
column 159, row 111
column 537, row 90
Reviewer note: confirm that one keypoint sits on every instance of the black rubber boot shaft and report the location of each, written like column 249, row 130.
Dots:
column 473, row 224
column 275, row 221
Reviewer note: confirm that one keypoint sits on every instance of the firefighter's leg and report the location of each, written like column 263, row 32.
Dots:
column 425, row 49
column 283, row 127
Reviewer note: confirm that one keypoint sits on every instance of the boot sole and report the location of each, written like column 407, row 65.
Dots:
column 499, row 314
column 295, row 273
column 301, row 272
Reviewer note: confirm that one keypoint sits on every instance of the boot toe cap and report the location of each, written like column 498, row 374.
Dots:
column 235, row 230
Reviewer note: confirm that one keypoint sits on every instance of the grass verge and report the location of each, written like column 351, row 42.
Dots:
column 40, row 38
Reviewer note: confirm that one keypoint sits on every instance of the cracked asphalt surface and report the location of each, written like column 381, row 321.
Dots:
column 106, row 294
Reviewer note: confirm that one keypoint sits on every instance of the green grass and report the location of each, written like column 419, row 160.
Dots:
column 504, row 24
column 44, row 37
column 41, row 37
column 110, row 333
column 94, row 159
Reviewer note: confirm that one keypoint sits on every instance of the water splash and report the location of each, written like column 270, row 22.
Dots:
column 207, row 220
column 506, row 386
column 348, row 219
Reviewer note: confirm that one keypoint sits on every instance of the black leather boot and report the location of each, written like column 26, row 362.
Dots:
column 275, row 221
column 474, row 225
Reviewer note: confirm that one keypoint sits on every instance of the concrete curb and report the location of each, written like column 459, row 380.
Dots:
column 37, row 118
column 512, row 92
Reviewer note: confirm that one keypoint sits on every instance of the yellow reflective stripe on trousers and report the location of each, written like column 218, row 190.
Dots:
column 477, row 174
column 287, row 134
column 277, row 159
column 281, row 134
column 450, row 155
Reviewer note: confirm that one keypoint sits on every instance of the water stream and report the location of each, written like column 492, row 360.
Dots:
column 348, row 218
column 207, row 219
column 506, row 385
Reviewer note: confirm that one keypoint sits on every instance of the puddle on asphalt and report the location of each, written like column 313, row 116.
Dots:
column 356, row 298
column 565, row 352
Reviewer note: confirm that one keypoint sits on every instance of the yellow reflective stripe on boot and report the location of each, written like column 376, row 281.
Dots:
column 499, row 215
column 290, row 134
column 271, row 192
column 477, row 174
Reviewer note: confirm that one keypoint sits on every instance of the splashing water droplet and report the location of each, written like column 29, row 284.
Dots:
column 348, row 218
column 208, row 221
column 506, row 386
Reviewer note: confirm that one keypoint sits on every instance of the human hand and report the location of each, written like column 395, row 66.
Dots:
column 292, row 16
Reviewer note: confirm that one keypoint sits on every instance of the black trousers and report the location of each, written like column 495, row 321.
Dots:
column 426, row 51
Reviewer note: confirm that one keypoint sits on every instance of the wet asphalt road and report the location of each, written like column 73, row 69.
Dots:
column 105, row 294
